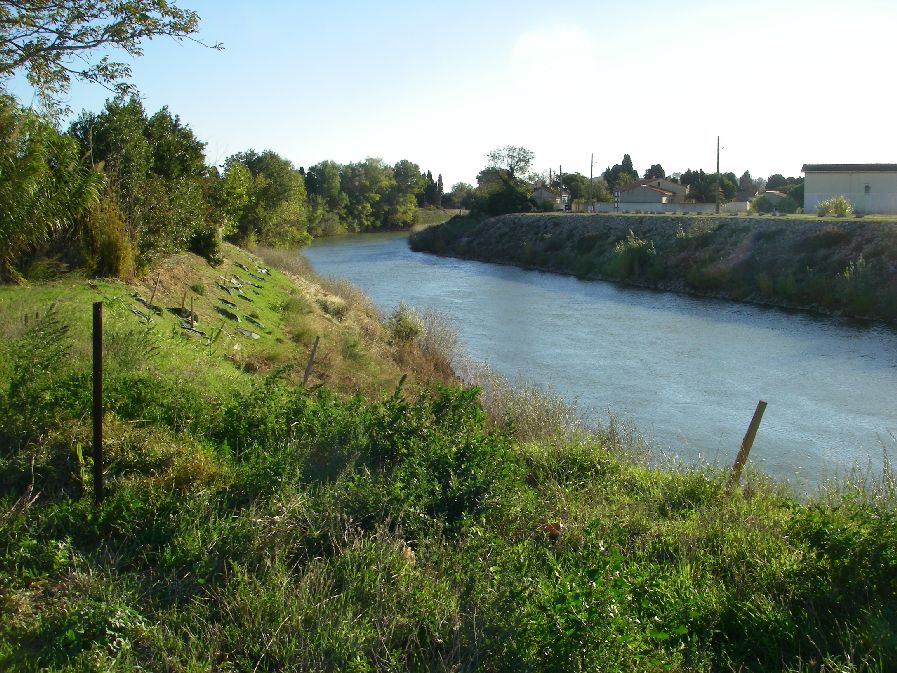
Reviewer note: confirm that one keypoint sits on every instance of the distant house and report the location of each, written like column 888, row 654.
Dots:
column 871, row 188
column 774, row 196
column 653, row 190
column 543, row 194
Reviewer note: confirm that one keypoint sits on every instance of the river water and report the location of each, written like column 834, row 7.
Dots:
column 686, row 371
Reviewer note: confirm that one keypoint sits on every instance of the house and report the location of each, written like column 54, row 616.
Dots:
column 543, row 194
column 871, row 188
column 653, row 190
column 773, row 196
column 637, row 193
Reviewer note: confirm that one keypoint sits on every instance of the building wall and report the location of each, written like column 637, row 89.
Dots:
column 629, row 207
column 641, row 195
column 882, row 196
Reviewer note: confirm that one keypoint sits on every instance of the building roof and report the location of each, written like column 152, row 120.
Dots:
column 636, row 185
column 849, row 168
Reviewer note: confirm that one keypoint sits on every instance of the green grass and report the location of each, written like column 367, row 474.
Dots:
column 253, row 525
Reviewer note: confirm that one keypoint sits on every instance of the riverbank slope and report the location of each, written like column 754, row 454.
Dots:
column 837, row 266
column 251, row 523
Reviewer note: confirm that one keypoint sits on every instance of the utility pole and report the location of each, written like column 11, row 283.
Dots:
column 717, row 175
column 591, row 177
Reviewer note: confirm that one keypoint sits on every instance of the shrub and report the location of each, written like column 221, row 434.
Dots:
column 837, row 206
column 110, row 251
column 633, row 255
column 405, row 324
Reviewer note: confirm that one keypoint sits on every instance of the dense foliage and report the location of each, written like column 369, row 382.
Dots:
column 44, row 186
column 123, row 188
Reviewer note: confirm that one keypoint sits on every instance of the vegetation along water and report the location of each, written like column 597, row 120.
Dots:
column 686, row 370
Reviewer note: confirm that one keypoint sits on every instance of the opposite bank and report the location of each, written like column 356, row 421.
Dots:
column 844, row 267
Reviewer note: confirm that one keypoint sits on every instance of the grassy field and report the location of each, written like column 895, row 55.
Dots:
column 370, row 522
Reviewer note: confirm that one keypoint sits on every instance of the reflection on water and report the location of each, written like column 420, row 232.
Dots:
column 687, row 371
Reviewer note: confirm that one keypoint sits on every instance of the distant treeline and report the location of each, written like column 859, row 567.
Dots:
column 118, row 189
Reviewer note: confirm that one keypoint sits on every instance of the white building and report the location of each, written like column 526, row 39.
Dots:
column 871, row 188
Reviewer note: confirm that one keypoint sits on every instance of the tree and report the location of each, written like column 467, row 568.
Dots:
column 54, row 41
column 230, row 195
column 460, row 196
column 620, row 174
column 44, row 185
column 156, row 173
column 276, row 212
column 776, row 182
column 176, row 151
column 576, row 184
column 514, row 162
column 702, row 187
column 656, row 171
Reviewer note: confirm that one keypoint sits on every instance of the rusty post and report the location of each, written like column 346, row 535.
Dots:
column 746, row 444
column 98, row 402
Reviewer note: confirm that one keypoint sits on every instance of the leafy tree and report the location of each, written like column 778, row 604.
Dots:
column 702, row 187
column 276, row 211
column 230, row 196
column 620, row 174
column 601, row 192
column 115, row 140
column 53, row 41
column 440, row 190
column 747, row 184
column 44, row 185
column 776, row 182
column 460, row 196
column 656, row 171
column 576, row 184
column 796, row 192
column 176, row 151
column 511, row 161
column 501, row 187
column 155, row 169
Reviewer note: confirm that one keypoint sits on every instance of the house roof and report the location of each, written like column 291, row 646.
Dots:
column 636, row 185
column 849, row 168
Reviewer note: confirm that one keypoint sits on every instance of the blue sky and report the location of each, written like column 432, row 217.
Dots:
column 783, row 83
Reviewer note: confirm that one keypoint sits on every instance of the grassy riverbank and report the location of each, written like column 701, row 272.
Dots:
column 361, row 524
column 828, row 265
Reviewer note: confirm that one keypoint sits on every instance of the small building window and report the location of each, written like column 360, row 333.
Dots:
column 866, row 188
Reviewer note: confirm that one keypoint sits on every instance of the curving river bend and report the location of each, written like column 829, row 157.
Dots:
column 686, row 371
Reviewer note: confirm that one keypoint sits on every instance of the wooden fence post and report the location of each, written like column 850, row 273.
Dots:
column 311, row 360
column 98, row 402
column 746, row 444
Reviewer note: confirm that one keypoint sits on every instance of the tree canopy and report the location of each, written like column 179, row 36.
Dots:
column 514, row 161
column 55, row 41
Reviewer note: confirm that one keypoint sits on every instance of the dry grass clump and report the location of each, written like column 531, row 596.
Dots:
column 534, row 413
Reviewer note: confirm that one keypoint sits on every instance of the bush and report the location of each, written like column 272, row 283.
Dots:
column 633, row 255
column 109, row 249
column 405, row 324
column 837, row 206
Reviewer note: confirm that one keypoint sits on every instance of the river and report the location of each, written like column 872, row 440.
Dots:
column 686, row 371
